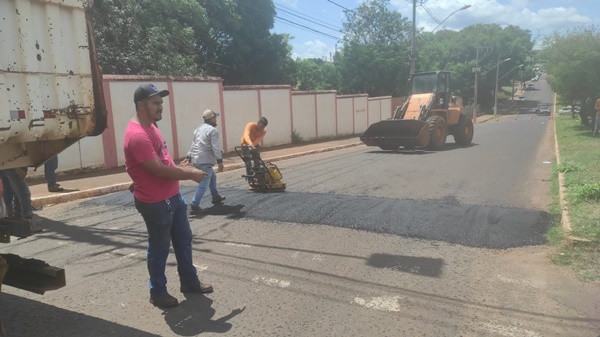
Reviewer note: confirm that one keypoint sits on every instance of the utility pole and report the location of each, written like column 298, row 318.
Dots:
column 476, row 70
column 496, row 92
column 413, row 47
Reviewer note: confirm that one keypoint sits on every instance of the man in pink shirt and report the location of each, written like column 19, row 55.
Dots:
column 156, row 192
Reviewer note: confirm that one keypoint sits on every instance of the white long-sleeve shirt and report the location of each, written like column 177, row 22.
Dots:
column 205, row 146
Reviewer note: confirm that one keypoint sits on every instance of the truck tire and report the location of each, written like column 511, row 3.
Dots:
column 463, row 134
column 437, row 131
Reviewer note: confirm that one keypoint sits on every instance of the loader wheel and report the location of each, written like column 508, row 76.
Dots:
column 437, row 131
column 463, row 134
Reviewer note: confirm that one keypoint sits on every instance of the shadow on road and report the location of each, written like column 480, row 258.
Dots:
column 425, row 266
column 194, row 316
column 23, row 317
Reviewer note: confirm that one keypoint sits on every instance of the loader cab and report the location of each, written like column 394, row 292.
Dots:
column 437, row 82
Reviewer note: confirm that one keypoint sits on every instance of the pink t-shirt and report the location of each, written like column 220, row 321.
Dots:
column 141, row 144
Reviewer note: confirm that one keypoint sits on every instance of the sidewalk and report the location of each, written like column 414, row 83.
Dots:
column 101, row 182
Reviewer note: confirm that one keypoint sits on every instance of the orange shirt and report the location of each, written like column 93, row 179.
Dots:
column 252, row 135
column 597, row 107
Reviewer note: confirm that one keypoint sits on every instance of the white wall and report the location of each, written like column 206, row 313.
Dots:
column 360, row 114
column 191, row 99
column 240, row 106
column 345, row 115
column 314, row 115
column 276, row 107
column 304, row 110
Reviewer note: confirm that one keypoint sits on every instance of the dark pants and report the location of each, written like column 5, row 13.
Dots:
column 21, row 199
column 50, row 167
column 249, row 156
column 167, row 222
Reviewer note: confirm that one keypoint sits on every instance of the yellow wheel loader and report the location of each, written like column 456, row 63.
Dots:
column 427, row 117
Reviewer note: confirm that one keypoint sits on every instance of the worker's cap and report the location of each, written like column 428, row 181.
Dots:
column 263, row 121
column 208, row 114
column 147, row 90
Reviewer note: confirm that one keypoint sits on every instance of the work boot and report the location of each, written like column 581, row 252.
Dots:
column 164, row 300
column 195, row 210
column 218, row 199
column 55, row 188
column 200, row 288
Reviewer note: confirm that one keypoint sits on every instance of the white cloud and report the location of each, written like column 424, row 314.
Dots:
column 312, row 49
column 521, row 13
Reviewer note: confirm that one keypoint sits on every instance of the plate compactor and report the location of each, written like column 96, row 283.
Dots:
column 261, row 176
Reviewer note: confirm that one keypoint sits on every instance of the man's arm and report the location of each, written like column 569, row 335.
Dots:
column 157, row 168
column 259, row 137
column 247, row 137
column 214, row 143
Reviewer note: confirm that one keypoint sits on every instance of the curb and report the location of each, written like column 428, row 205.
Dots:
column 99, row 191
column 565, row 219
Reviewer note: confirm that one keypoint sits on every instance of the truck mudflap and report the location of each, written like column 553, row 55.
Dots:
column 390, row 134
column 30, row 274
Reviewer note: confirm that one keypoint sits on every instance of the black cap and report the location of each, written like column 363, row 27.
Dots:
column 263, row 121
column 147, row 90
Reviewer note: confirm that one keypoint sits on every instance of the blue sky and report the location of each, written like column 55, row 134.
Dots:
column 541, row 17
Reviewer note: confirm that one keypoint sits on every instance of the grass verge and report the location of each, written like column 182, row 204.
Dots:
column 580, row 166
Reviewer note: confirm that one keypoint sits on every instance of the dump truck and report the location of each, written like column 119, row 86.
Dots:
column 425, row 119
column 50, row 98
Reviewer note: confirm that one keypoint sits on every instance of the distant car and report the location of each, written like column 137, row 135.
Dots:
column 543, row 110
column 521, row 98
column 565, row 111
column 530, row 87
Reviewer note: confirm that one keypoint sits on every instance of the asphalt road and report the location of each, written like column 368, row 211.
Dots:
column 362, row 243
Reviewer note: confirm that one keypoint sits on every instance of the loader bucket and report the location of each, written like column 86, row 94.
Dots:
column 392, row 133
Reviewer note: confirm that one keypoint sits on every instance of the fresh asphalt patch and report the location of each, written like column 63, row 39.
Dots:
column 445, row 220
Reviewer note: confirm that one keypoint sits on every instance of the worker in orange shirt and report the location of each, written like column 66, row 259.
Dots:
column 253, row 135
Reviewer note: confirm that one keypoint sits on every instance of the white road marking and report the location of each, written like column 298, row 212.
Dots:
column 538, row 284
column 122, row 255
column 295, row 255
column 273, row 282
column 202, row 267
column 547, row 162
column 237, row 245
column 382, row 303
column 509, row 331
column 317, row 257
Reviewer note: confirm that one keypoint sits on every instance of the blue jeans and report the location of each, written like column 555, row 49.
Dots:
column 167, row 222
column 210, row 180
column 50, row 167
column 8, row 193
column 21, row 195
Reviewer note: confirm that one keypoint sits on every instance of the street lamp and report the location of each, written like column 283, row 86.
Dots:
column 513, row 82
column 460, row 9
column 413, row 47
column 496, row 92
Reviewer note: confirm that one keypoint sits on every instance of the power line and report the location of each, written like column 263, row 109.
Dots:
column 307, row 14
column 342, row 7
column 305, row 27
column 299, row 25
column 309, row 20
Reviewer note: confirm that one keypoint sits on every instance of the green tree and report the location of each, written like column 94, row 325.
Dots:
column 375, row 54
column 147, row 36
column 315, row 74
column 571, row 61
column 239, row 47
column 457, row 52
